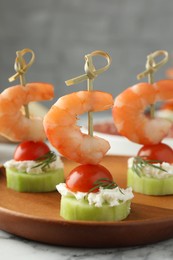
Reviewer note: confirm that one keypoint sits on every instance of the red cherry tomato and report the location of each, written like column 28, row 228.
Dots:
column 161, row 152
column 30, row 150
column 82, row 178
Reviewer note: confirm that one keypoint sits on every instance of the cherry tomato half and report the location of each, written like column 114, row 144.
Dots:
column 161, row 152
column 30, row 150
column 83, row 177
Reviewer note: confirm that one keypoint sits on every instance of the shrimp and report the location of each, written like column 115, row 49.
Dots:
column 169, row 73
column 13, row 124
column 129, row 107
column 63, row 133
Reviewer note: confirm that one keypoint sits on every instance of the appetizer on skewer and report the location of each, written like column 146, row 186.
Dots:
column 89, row 192
column 151, row 172
column 34, row 167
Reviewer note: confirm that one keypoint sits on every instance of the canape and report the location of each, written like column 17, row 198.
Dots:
column 151, row 171
column 90, row 194
column 34, row 168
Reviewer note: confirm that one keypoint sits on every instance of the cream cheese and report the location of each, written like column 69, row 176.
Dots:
column 112, row 197
column 152, row 172
column 27, row 166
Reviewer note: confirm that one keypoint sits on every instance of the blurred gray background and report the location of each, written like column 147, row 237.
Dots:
column 61, row 32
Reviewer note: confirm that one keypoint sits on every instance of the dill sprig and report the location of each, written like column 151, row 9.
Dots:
column 105, row 183
column 45, row 160
column 139, row 163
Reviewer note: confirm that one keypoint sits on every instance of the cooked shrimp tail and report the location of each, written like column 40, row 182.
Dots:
column 13, row 124
column 63, row 133
column 129, row 112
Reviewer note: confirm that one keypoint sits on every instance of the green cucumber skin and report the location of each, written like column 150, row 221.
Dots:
column 24, row 182
column 149, row 186
column 73, row 209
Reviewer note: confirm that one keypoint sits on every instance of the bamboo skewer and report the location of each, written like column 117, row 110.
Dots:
column 21, row 68
column 151, row 68
column 91, row 74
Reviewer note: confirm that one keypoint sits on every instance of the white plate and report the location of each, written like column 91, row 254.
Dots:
column 119, row 145
column 122, row 146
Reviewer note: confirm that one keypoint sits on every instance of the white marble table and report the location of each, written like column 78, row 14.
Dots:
column 15, row 248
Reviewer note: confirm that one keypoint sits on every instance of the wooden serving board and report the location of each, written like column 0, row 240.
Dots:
column 35, row 216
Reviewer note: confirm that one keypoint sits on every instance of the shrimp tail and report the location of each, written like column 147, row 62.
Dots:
column 130, row 117
column 13, row 124
column 61, row 128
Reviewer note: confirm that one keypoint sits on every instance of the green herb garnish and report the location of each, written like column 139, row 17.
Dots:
column 105, row 183
column 45, row 160
column 139, row 163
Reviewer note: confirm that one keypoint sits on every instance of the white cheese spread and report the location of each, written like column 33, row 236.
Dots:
column 152, row 172
column 112, row 197
column 28, row 166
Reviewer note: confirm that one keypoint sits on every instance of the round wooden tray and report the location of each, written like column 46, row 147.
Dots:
column 35, row 216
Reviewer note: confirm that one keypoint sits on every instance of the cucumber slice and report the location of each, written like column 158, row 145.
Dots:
column 24, row 182
column 149, row 186
column 73, row 209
